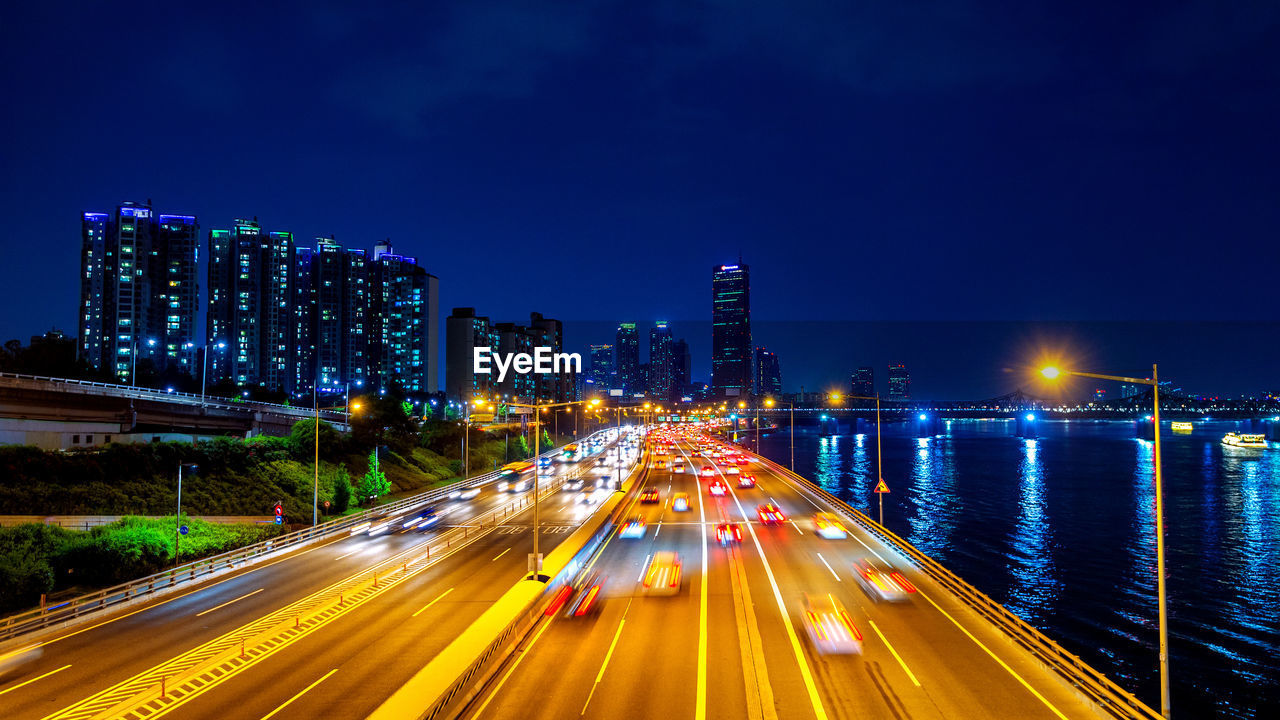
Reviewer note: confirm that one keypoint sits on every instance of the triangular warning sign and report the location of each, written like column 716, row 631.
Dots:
column 881, row 487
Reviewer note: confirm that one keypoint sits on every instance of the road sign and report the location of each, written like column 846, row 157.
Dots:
column 279, row 512
column 881, row 487
column 183, row 529
column 279, row 520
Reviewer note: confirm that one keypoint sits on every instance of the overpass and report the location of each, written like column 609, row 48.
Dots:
column 344, row 626
column 59, row 414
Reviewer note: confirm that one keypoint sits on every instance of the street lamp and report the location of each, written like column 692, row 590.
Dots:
column 205, row 369
column 177, row 520
column 835, row 397
column 133, row 373
column 1054, row 373
column 769, row 402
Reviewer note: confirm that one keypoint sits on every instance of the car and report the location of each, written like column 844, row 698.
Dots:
column 742, row 460
column 732, row 470
column 572, row 484
column 464, row 493
column 680, row 503
column 660, row 465
column 771, row 514
column 634, row 528
column 677, row 469
column 888, row 585
column 420, row 520
column 829, row 526
column 829, row 626
column 587, row 600
column 746, row 481
column 708, row 471
column 544, row 462
column 718, row 488
column 663, row 575
column 728, row 533
column 649, row 496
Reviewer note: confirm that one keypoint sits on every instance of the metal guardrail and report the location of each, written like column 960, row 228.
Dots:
column 183, row 398
column 44, row 617
column 1096, row 686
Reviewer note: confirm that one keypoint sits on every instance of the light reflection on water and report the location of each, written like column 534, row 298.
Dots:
column 1061, row 530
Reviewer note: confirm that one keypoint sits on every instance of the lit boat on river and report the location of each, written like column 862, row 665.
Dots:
column 1252, row 442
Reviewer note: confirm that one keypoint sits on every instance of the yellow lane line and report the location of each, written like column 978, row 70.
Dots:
column 605, row 664
column 514, row 665
column 433, row 602
column 700, row 710
column 895, row 653
column 1025, row 684
column 504, row 552
column 300, row 694
column 219, row 607
column 28, row 682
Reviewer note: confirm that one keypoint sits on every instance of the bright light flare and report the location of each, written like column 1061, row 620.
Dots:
column 1050, row 372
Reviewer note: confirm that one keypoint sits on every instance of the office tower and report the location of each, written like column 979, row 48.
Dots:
column 251, row 315
column 659, row 380
column 138, row 293
column 341, row 326
column 553, row 387
column 627, row 358
column 864, row 382
column 601, row 371
column 768, row 373
column 681, row 368
column 899, row 383
column 731, row 331
column 465, row 331
column 404, row 304
column 1131, row 390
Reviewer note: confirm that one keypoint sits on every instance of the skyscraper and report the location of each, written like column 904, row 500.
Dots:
column 681, row 368
column 601, row 372
column 659, row 378
column 899, row 383
column 465, row 331
column 341, row 326
column 731, row 330
column 404, row 305
column 138, row 292
column 864, row 382
column 768, row 373
column 553, row 387
column 627, row 358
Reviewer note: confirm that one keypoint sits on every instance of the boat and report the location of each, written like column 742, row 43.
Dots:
column 1242, row 440
column 1181, row 426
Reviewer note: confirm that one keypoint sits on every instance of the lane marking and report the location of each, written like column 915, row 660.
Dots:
column 895, row 653
column 824, row 562
column 657, row 530
column 1025, row 684
column 794, row 525
column 604, row 665
column 353, row 552
column 38, row 677
column 868, row 547
column 700, row 710
column 300, row 694
column 433, row 602
column 219, row 607
column 644, row 567
column 504, row 552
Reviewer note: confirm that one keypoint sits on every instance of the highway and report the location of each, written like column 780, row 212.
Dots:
column 733, row 643
column 323, row 636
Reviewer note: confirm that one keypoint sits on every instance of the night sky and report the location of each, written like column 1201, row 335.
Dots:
column 940, row 161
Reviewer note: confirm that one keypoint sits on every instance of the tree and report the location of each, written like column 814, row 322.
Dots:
column 302, row 440
column 547, row 444
column 374, row 483
column 341, row 491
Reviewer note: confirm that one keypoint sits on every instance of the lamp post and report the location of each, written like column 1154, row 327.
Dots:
column 835, row 398
column 177, row 520
column 1154, row 381
column 133, row 372
column 204, row 370
column 770, row 402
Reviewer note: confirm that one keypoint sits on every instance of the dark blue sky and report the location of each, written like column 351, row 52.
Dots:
column 593, row 160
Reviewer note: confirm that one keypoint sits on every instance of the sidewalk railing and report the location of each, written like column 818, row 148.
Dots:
column 62, row 612
column 1093, row 684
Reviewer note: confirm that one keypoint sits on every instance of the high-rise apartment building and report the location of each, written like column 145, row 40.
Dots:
column 601, row 372
column 138, row 290
column 627, row 358
column 768, row 373
column 465, row 331
column 660, row 379
column 863, row 382
column 404, row 307
column 731, row 331
column 553, row 387
column 341, row 280
column 899, row 383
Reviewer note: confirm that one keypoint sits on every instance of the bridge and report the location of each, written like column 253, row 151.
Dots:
column 335, row 622
column 59, row 414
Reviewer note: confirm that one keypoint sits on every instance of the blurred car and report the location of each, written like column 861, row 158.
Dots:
column 663, row 575
column 678, row 469
column 732, row 470
column 588, row 596
column 829, row 626
column 421, row 520
column 634, row 528
column 544, row 462
column 648, row 496
column 660, row 465
column 718, row 488
column 747, row 481
column 728, row 533
column 464, row 493
column 771, row 514
column 572, row 484
column 680, row 503
column 742, row 460
column 878, row 584
column 708, row 471
column 829, row 526
column 13, row 662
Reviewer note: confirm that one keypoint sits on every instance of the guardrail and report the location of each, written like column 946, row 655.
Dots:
column 1096, row 686
column 48, row 616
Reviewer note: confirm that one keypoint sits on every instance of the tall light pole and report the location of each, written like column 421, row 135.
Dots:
column 1154, row 381
column 835, row 398
column 204, row 370
column 315, row 490
column 177, row 520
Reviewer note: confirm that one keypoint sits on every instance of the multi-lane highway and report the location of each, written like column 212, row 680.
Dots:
column 328, row 631
column 733, row 642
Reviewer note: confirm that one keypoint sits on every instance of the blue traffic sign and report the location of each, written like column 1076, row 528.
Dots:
column 183, row 529
column 279, row 520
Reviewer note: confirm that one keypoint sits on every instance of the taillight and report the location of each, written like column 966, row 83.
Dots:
column 902, row 582
column 849, row 622
column 561, row 596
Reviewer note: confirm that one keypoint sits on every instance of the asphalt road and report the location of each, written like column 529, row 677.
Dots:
column 360, row 654
column 733, row 643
